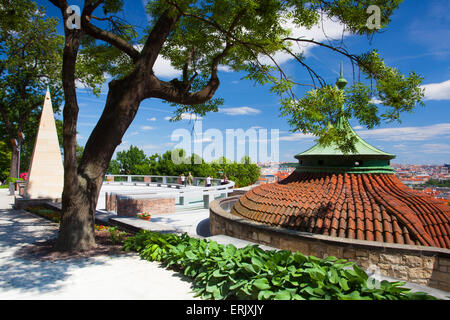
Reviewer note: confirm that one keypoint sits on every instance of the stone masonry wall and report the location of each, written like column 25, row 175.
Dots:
column 131, row 207
column 421, row 265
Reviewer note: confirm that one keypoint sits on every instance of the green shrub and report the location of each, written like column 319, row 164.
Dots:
column 225, row 272
column 14, row 180
column 116, row 235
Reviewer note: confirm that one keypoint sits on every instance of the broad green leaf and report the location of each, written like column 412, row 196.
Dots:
column 261, row 284
column 300, row 258
column 238, row 285
column 218, row 274
column 265, row 294
column 333, row 276
column 360, row 272
column 257, row 261
column 344, row 284
column 283, row 295
column 250, row 268
column 190, row 255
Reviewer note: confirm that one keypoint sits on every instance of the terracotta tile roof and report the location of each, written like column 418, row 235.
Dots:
column 375, row 207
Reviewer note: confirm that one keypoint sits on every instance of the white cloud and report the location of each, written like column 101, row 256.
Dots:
column 225, row 68
column 326, row 29
column 167, row 118
column 439, row 130
column 151, row 119
column 164, row 69
column 296, row 137
column 240, row 111
column 147, row 128
column 375, row 101
column 437, row 91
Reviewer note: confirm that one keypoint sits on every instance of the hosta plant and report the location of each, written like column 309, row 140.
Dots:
column 226, row 272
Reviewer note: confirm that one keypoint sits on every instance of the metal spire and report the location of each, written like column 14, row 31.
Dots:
column 341, row 82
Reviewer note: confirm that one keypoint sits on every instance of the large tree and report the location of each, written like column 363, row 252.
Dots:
column 197, row 37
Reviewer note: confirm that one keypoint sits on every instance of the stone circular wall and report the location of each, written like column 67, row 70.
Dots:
column 418, row 264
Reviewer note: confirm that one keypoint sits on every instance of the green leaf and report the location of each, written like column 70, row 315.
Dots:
column 283, row 295
column 308, row 290
column 261, row 284
column 238, row 285
column 276, row 281
column 265, row 295
column 360, row 272
column 250, row 268
column 344, row 284
column 316, row 274
column 257, row 261
column 190, row 255
column 211, row 288
column 300, row 258
column 217, row 274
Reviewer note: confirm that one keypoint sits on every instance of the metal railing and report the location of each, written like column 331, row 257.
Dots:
column 159, row 180
column 218, row 188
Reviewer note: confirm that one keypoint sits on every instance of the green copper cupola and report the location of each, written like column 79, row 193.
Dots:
column 364, row 159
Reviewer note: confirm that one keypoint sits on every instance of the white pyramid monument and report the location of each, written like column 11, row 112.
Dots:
column 46, row 173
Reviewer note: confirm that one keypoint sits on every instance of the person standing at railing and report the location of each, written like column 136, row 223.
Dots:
column 183, row 179
column 208, row 181
column 190, row 179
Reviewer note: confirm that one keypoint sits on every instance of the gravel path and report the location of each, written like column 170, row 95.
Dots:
column 120, row 277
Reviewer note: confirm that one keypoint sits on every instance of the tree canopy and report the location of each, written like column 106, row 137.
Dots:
column 246, row 35
column 135, row 162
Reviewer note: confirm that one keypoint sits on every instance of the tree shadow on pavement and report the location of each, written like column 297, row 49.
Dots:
column 19, row 230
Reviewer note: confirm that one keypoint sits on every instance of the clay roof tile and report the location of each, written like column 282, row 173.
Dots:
column 375, row 207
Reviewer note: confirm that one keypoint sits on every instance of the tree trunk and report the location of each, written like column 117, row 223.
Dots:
column 14, row 158
column 76, row 232
column 79, row 199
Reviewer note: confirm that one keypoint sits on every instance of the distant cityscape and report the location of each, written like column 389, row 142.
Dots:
column 419, row 177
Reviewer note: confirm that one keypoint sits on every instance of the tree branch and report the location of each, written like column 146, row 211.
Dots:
column 311, row 72
column 109, row 37
column 157, row 37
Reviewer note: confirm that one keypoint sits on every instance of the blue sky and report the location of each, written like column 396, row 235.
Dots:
column 418, row 39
